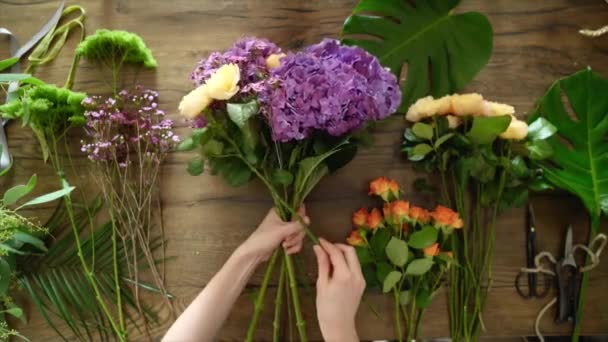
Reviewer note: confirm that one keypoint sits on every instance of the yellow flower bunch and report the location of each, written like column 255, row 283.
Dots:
column 456, row 106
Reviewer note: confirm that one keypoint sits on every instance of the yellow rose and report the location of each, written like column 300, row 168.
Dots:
column 444, row 105
column 467, row 104
column 195, row 102
column 423, row 108
column 496, row 109
column 517, row 130
column 453, row 121
column 223, row 84
column 274, row 60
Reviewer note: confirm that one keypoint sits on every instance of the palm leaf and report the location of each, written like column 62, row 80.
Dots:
column 59, row 288
column 443, row 51
column 579, row 163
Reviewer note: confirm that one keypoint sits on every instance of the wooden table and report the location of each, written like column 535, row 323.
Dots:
column 535, row 42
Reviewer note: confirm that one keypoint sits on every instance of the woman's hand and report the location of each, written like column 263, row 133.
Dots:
column 273, row 232
column 339, row 289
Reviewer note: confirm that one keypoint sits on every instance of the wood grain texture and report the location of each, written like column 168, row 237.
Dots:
column 535, row 43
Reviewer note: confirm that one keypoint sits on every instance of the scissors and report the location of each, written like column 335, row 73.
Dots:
column 568, row 283
column 533, row 290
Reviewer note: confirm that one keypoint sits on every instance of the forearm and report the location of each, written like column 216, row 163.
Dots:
column 206, row 314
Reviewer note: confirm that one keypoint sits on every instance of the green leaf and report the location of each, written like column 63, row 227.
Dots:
column 444, row 51
column 540, row 129
column 9, row 62
column 364, row 255
column 213, row 148
column 379, row 241
column 405, row 297
column 579, row 163
column 397, row 251
column 30, row 239
column 443, row 139
column 282, row 177
column 486, row 129
column 382, row 270
column 409, row 135
column 519, row 167
column 196, row 166
column 5, row 78
column 240, row 113
column 419, row 267
column 48, row 197
column 14, row 311
column 5, row 276
column 187, row 144
column 424, row 237
column 419, row 151
column 390, row 281
column 12, row 195
column 423, row 298
column 423, row 130
column 539, row 149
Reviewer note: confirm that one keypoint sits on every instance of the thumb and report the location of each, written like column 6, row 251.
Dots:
column 290, row 229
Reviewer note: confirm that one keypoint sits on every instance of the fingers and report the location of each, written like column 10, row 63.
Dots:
column 336, row 257
column 351, row 259
column 293, row 243
column 323, row 264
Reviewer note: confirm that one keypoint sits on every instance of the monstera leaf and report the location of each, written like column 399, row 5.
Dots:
column 579, row 163
column 443, row 51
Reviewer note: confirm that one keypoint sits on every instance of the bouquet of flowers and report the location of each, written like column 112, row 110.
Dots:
column 405, row 250
column 285, row 119
column 483, row 155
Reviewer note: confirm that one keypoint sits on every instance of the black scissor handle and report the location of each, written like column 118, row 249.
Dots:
column 547, row 281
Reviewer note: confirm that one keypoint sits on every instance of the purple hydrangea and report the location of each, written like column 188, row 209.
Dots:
column 127, row 126
column 330, row 88
column 248, row 53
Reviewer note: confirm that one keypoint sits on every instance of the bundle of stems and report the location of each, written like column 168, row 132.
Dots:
column 473, row 248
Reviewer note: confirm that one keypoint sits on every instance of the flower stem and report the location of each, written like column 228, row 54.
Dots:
column 397, row 316
column 278, row 303
column 258, row 304
column 295, row 297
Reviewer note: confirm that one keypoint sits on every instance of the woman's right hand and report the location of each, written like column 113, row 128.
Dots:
column 339, row 289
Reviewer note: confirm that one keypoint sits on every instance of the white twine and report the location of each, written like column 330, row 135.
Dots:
column 593, row 251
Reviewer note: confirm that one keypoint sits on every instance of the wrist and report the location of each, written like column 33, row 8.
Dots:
column 246, row 256
column 346, row 333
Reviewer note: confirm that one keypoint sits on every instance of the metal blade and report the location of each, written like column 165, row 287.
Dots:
column 568, row 245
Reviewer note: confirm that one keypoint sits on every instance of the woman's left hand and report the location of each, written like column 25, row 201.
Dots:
column 273, row 232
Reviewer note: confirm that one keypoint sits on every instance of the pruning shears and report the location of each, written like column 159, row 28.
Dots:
column 568, row 283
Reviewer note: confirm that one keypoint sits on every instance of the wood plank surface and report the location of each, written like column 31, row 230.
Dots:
column 535, row 43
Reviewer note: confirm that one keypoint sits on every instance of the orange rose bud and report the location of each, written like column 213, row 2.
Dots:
column 431, row 250
column 394, row 188
column 374, row 219
column 360, row 217
column 380, row 187
column 419, row 214
column 355, row 239
column 447, row 217
column 449, row 254
column 400, row 209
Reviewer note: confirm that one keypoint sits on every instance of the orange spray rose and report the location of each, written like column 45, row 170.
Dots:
column 360, row 217
column 374, row 220
column 447, row 217
column 355, row 239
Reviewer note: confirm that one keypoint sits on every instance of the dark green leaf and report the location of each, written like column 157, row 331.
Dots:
column 397, row 251
column 14, row 194
column 382, row 270
column 422, row 130
column 419, row 267
column 310, row 172
column 486, row 129
column 579, row 164
column 424, row 237
column 540, row 129
column 282, row 177
column 444, row 51
column 187, row 144
column 339, row 159
column 213, row 148
column 391, row 281
column 5, row 276
column 48, row 197
column 240, row 113
column 423, row 298
column 196, row 166
column 30, row 239
column 420, row 150
column 519, row 167
column 364, row 255
column 409, row 135
column 379, row 241
column 443, row 139
column 539, row 149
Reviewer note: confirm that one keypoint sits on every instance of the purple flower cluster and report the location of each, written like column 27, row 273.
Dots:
column 248, row 53
column 126, row 126
column 327, row 87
